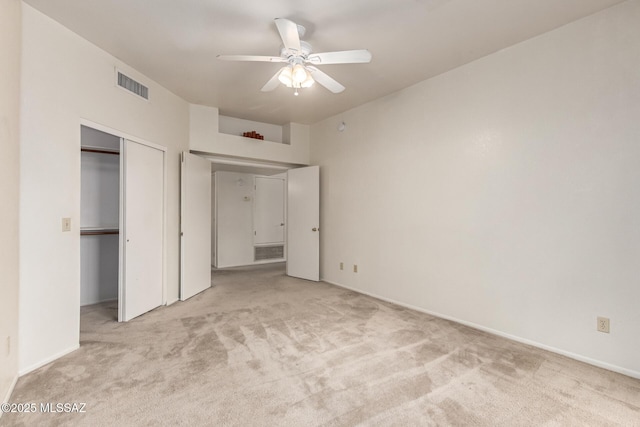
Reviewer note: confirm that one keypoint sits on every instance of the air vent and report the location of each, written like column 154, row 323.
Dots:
column 133, row 86
column 262, row 253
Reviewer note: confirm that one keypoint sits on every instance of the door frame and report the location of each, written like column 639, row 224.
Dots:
column 124, row 135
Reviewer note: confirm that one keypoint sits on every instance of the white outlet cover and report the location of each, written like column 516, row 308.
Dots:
column 603, row 324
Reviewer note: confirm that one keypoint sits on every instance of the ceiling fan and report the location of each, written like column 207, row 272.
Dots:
column 300, row 71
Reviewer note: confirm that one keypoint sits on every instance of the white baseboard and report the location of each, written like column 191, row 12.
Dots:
column 581, row 358
column 7, row 397
column 47, row 360
column 172, row 302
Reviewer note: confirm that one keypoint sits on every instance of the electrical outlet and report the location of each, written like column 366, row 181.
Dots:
column 342, row 266
column 603, row 324
column 66, row 224
column 355, row 268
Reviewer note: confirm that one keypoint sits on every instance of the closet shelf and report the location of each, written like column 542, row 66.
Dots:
column 98, row 231
column 100, row 150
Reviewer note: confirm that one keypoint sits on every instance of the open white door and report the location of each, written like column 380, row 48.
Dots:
column 141, row 229
column 303, row 223
column 195, row 225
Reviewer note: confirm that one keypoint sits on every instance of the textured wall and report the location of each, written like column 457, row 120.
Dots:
column 504, row 193
column 10, row 35
column 65, row 80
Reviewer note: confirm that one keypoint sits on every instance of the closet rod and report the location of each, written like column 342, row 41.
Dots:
column 98, row 232
column 99, row 150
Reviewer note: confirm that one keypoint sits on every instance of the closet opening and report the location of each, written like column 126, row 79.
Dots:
column 99, row 218
column 122, row 223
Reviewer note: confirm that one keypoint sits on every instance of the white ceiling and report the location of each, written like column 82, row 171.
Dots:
column 175, row 43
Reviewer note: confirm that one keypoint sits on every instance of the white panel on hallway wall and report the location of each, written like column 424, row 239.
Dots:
column 269, row 210
column 234, row 219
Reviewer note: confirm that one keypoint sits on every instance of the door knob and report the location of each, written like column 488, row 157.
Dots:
column 314, row 229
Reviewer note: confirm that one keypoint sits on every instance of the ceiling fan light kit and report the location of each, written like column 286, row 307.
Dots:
column 295, row 77
column 299, row 72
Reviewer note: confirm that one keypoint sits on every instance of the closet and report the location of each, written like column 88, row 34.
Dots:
column 122, row 222
column 99, row 216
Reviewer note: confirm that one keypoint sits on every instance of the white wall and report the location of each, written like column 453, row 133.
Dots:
column 503, row 193
column 10, row 36
column 99, row 268
column 100, row 190
column 66, row 79
column 204, row 136
column 234, row 126
column 90, row 137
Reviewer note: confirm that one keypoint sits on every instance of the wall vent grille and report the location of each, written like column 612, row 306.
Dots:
column 133, row 86
column 262, row 253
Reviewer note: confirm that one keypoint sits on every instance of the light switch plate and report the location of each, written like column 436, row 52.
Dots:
column 66, row 224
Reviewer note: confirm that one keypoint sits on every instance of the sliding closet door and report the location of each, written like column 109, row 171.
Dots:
column 141, row 232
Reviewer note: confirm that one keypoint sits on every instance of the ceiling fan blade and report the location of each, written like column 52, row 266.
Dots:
column 251, row 58
column 272, row 83
column 342, row 57
column 325, row 80
column 289, row 33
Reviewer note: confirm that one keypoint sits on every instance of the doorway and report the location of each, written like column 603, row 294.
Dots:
column 248, row 219
column 197, row 196
column 301, row 185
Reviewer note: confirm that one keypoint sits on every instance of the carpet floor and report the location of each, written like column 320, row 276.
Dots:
column 263, row 349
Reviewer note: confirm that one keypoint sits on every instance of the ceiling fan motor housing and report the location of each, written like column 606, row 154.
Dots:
column 305, row 50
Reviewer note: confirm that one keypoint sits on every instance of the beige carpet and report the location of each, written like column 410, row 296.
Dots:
column 260, row 348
